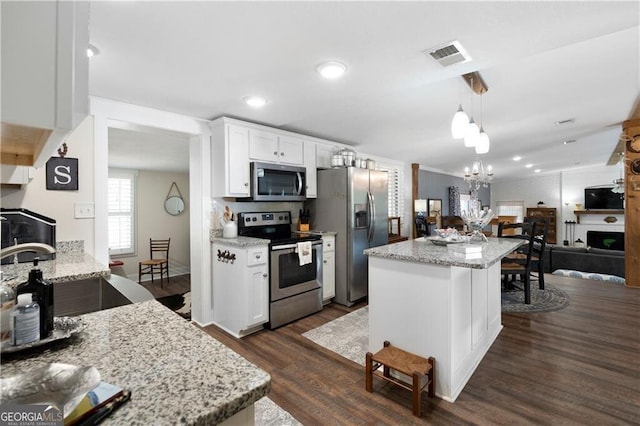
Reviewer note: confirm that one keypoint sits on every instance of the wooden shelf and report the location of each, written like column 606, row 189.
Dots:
column 579, row 213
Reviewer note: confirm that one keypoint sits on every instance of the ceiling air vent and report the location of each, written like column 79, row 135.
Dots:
column 449, row 54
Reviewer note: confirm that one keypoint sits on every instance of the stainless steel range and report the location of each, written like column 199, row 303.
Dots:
column 295, row 288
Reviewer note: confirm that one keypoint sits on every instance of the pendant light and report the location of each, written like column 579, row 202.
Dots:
column 473, row 131
column 482, row 143
column 459, row 123
column 472, row 135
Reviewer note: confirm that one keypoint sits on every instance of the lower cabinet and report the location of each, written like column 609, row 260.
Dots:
column 240, row 288
column 328, row 268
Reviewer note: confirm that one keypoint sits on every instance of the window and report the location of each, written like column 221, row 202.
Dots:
column 511, row 208
column 396, row 196
column 121, row 207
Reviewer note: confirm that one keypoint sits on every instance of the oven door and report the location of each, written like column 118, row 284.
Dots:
column 288, row 278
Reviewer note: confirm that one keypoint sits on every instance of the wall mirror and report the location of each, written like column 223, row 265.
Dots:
column 174, row 204
column 435, row 210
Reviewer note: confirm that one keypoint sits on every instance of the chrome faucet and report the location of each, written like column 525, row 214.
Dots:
column 19, row 248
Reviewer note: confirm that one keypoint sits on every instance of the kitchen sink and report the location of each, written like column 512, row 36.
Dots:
column 79, row 297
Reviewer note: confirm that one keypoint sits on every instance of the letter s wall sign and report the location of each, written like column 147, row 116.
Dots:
column 62, row 174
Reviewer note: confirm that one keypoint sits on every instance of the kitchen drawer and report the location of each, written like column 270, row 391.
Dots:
column 328, row 243
column 256, row 256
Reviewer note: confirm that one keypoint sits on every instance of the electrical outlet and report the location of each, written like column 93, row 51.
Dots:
column 84, row 210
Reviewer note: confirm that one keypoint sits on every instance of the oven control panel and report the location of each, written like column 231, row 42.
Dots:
column 264, row 219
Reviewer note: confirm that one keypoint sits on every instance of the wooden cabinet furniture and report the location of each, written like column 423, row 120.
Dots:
column 548, row 213
column 45, row 77
column 240, row 288
column 328, row 267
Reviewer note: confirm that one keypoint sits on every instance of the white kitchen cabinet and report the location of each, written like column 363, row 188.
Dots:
column 240, row 288
column 274, row 148
column 312, row 170
column 230, row 160
column 323, row 155
column 328, row 267
column 45, row 76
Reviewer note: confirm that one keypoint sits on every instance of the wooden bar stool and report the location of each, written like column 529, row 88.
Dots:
column 422, row 370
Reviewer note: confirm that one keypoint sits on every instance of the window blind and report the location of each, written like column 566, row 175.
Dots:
column 121, row 197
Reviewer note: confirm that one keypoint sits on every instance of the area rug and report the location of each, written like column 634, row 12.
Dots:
column 178, row 303
column 549, row 299
column 347, row 336
column 268, row 413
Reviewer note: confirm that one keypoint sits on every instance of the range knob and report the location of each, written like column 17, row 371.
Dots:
column 255, row 219
column 279, row 217
column 247, row 219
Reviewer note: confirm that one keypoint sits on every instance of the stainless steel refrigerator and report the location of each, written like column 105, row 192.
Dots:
column 354, row 203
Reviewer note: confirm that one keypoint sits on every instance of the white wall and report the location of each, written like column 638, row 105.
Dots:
column 59, row 205
column 562, row 191
column 154, row 222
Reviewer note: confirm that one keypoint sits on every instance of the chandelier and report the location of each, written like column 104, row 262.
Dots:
column 478, row 175
column 464, row 128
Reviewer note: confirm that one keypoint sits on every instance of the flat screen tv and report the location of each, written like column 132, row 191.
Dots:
column 602, row 198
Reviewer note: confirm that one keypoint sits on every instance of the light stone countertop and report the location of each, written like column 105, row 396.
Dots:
column 175, row 371
column 67, row 266
column 424, row 251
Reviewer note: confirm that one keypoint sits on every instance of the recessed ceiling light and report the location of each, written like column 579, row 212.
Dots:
column 528, row 166
column 92, row 51
column 517, row 158
column 537, row 171
column 332, row 69
column 255, row 101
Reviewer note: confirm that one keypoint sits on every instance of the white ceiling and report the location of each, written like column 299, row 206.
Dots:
column 542, row 61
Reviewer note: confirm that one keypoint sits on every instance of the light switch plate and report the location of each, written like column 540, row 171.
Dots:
column 84, row 210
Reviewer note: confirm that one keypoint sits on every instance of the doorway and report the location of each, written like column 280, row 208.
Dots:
column 108, row 115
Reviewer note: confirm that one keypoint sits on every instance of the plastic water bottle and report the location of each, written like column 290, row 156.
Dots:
column 25, row 321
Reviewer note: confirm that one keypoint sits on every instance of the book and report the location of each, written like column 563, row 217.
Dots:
column 464, row 248
column 93, row 401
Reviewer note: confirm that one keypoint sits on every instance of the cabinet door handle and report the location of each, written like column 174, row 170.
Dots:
column 265, row 275
column 275, row 152
column 324, row 261
column 258, row 256
column 246, row 184
column 282, row 154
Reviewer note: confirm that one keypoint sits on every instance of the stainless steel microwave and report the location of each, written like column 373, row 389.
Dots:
column 277, row 182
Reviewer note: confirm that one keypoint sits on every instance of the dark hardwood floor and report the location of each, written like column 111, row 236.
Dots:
column 176, row 285
column 579, row 365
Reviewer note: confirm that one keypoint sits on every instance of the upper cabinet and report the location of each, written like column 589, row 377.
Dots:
column 274, row 148
column 236, row 143
column 230, row 159
column 45, row 77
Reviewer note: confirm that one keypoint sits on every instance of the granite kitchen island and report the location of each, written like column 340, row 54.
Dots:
column 426, row 300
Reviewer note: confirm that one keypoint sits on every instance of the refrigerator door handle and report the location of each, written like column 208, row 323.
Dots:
column 372, row 215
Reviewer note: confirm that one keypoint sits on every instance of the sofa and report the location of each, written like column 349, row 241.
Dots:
column 584, row 260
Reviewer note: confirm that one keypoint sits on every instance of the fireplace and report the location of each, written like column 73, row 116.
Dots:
column 606, row 240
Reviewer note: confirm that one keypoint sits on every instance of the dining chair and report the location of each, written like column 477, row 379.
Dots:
column 519, row 263
column 539, row 248
column 158, row 261
column 422, row 227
